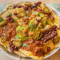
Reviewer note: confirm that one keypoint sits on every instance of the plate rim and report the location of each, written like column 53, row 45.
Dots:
column 50, row 54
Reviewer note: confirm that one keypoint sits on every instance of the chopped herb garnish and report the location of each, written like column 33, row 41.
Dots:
column 4, row 34
column 1, row 19
column 31, row 25
column 38, row 27
column 33, row 30
column 14, row 20
column 25, row 45
column 17, row 19
column 10, row 15
column 4, row 27
column 17, row 37
column 38, row 14
column 6, row 47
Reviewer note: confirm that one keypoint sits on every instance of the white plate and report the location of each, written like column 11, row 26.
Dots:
column 50, row 54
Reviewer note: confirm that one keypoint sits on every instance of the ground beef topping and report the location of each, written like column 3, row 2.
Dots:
column 33, row 46
column 1, row 30
column 26, row 27
column 8, row 31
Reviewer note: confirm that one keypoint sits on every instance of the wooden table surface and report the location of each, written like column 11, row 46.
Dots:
column 56, row 56
column 46, row 1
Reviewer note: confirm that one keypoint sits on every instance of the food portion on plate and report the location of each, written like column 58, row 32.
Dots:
column 29, row 29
